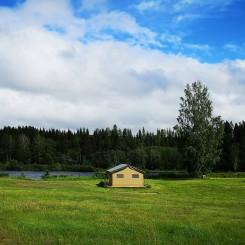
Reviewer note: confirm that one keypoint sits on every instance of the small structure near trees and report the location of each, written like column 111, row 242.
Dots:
column 125, row 175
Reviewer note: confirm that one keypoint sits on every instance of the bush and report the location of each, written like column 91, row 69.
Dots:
column 77, row 168
column 47, row 175
column 100, row 175
column 167, row 174
column 227, row 175
column 102, row 184
column 56, row 166
column 4, row 174
column 87, row 168
column 22, row 176
column 13, row 165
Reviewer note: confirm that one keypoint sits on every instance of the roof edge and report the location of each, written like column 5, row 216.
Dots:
column 121, row 167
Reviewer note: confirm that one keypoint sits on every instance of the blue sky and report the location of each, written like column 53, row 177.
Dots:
column 210, row 31
column 87, row 60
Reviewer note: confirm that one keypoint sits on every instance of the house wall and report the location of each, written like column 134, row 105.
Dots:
column 127, row 181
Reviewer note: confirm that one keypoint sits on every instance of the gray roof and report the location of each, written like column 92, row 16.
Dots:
column 121, row 167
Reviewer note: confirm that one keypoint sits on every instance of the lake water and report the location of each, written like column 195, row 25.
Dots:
column 39, row 174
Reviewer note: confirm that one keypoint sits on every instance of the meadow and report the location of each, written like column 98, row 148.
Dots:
column 77, row 211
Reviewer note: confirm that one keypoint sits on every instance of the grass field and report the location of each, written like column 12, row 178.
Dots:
column 198, row 211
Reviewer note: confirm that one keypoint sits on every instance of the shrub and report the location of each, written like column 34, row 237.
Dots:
column 227, row 174
column 22, row 176
column 47, row 175
column 13, row 165
column 56, row 166
column 168, row 175
column 4, row 174
column 102, row 184
column 100, row 175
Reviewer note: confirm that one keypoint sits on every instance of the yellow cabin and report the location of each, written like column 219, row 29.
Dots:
column 125, row 175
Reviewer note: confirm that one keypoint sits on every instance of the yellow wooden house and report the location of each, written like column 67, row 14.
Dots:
column 125, row 175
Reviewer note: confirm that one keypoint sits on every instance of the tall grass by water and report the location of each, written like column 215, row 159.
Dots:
column 76, row 211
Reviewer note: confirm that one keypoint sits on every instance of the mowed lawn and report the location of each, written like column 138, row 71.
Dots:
column 197, row 211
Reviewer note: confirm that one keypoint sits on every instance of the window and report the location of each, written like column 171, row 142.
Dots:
column 135, row 176
column 120, row 176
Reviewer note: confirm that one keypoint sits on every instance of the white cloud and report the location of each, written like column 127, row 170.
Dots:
column 231, row 47
column 171, row 38
column 235, row 49
column 203, row 47
column 186, row 17
column 183, row 5
column 53, row 80
column 104, row 26
column 92, row 5
column 148, row 5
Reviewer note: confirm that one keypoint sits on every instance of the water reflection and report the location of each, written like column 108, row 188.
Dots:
column 39, row 174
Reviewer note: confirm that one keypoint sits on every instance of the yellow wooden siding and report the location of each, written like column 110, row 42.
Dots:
column 127, row 180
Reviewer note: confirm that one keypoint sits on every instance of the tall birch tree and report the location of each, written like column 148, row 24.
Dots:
column 201, row 134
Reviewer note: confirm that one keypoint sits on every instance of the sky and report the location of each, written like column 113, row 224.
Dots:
column 69, row 64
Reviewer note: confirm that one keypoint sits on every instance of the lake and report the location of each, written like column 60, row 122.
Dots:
column 39, row 174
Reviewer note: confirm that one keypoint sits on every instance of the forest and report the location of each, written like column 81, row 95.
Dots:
column 29, row 148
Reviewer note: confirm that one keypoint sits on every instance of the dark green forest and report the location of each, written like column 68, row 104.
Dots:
column 29, row 148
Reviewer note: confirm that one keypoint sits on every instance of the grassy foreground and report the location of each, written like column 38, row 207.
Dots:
column 208, row 211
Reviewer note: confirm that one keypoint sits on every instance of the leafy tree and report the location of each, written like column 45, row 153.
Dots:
column 154, row 158
column 50, row 151
column 23, row 151
column 235, row 151
column 38, row 149
column 138, row 157
column 201, row 133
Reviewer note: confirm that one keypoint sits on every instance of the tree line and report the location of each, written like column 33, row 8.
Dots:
column 103, row 148
column 199, row 143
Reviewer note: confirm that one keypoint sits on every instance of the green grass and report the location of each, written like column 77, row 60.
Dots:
column 76, row 211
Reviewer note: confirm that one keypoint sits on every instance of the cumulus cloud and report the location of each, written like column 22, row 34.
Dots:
column 52, row 79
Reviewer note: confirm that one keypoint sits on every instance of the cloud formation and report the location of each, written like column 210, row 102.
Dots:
column 63, row 71
column 181, row 6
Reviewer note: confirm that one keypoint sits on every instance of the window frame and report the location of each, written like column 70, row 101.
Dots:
column 135, row 176
column 120, row 176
